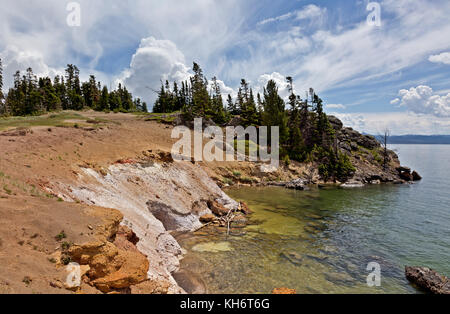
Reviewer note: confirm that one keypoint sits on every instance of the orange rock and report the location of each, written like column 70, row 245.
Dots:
column 132, row 271
column 207, row 218
column 111, row 266
column 284, row 291
column 218, row 209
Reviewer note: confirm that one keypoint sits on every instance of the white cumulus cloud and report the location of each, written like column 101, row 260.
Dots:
column 15, row 59
column 154, row 61
column 441, row 58
column 423, row 100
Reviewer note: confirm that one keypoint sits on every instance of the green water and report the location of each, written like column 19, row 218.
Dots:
column 321, row 241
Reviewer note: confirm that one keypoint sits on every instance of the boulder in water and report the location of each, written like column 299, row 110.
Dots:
column 298, row 184
column 207, row 218
column 352, row 185
column 218, row 209
column 416, row 176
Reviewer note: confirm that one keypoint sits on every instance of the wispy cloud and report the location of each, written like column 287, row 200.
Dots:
column 335, row 106
column 308, row 12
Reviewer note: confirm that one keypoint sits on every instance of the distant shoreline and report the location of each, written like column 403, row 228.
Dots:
column 420, row 139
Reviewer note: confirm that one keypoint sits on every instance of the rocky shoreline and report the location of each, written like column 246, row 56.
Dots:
column 138, row 180
column 428, row 280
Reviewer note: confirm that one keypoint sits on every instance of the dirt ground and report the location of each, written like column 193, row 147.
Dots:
column 31, row 218
column 36, row 157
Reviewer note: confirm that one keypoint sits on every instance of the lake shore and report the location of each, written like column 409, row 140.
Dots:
column 120, row 162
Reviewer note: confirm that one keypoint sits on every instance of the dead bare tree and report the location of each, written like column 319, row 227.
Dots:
column 384, row 140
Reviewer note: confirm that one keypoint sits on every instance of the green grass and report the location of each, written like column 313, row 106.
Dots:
column 62, row 235
column 246, row 180
column 55, row 120
column 237, row 174
column 7, row 190
column 227, row 181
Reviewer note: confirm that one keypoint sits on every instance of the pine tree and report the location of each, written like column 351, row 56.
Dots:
column 249, row 113
column 231, row 106
column 219, row 114
column 162, row 103
column 104, row 100
column 1, row 81
column 324, row 133
column 33, row 99
column 274, row 112
column 297, row 149
column 51, row 101
column 73, row 88
column 2, row 105
column 201, row 103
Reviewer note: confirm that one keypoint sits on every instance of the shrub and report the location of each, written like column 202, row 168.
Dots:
column 60, row 236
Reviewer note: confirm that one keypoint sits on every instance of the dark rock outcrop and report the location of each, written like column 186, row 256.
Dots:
column 335, row 123
column 405, row 174
column 416, row 176
column 428, row 279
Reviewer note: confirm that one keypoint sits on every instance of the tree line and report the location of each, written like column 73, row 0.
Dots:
column 33, row 95
column 306, row 134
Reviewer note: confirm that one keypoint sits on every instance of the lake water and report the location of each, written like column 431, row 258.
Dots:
column 321, row 241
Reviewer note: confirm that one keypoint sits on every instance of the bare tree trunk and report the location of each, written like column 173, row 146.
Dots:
column 385, row 140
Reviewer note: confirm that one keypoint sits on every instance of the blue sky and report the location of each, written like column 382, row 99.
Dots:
column 392, row 76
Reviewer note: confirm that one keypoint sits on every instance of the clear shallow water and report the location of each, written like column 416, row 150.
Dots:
column 321, row 241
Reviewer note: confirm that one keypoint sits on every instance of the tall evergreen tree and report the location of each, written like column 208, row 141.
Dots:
column 201, row 103
column 297, row 149
column 231, row 106
column 73, row 88
column 249, row 113
column 218, row 111
column 1, row 82
column 3, row 109
column 104, row 100
column 275, row 112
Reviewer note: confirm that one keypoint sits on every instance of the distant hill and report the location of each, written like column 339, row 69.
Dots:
column 420, row 139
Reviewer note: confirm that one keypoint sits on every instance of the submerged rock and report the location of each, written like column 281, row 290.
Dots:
column 239, row 221
column 352, row 184
column 428, row 280
column 293, row 257
column 298, row 184
column 213, row 247
column 243, row 207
